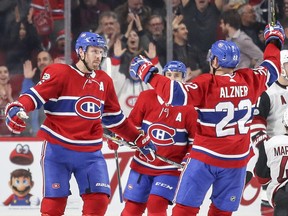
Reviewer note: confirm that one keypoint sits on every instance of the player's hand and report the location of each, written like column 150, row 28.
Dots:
column 148, row 152
column 112, row 145
column 142, row 68
column 183, row 162
column 274, row 33
column 259, row 138
column 15, row 114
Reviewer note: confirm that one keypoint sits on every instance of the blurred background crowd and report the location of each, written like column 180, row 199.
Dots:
column 34, row 35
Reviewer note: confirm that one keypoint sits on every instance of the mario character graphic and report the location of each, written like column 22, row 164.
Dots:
column 21, row 155
column 21, row 184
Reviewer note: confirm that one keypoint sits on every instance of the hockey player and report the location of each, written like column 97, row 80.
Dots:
column 267, row 119
column 77, row 100
column 224, row 101
column 171, row 129
column 273, row 158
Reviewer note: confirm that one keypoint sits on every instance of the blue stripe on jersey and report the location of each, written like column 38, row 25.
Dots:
column 33, row 95
column 113, row 120
column 61, row 106
column 213, row 117
column 179, row 96
column 272, row 71
column 64, row 106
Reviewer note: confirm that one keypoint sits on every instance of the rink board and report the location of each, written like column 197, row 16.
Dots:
column 250, row 203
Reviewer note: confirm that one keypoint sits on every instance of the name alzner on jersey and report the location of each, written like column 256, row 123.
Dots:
column 233, row 91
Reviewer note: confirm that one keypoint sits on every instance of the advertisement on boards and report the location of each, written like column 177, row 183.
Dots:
column 21, row 156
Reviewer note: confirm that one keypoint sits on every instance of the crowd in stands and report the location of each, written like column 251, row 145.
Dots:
column 32, row 36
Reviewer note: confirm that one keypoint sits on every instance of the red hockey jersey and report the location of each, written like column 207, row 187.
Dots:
column 76, row 106
column 225, row 106
column 170, row 128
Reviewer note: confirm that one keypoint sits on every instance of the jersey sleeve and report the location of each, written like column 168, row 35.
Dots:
column 258, row 127
column 112, row 113
column 113, row 117
column 271, row 63
column 261, row 170
column 48, row 87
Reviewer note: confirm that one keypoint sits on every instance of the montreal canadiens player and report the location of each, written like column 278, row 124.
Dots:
column 224, row 101
column 77, row 100
column 153, row 184
column 273, row 159
column 267, row 119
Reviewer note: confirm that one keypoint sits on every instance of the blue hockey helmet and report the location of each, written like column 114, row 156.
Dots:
column 86, row 39
column 227, row 52
column 175, row 66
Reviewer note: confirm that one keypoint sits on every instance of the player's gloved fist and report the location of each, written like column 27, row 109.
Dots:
column 15, row 114
column 148, row 152
column 112, row 145
column 274, row 33
column 142, row 68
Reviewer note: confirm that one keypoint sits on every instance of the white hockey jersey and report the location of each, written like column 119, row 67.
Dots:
column 128, row 90
column 276, row 150
column 269, row 110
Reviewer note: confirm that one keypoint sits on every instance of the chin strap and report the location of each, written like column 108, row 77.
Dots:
column 214, row 69
column 86, row 65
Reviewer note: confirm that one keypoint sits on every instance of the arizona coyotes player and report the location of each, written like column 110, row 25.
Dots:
column 267, row 119
column 77, row 100
column 171, row 129
column 224, row 101
column 273, row 156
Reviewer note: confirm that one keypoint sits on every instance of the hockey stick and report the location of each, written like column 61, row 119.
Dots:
column 248, row 177
column 133, row 146
column 271, row 12
column 118, row 176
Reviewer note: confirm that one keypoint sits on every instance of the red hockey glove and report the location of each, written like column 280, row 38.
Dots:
column 142, row 68
column 259, row 138
column 148, row 152
column 146, row 148
column 112, row 145
column 274, row 33
column 15, row 114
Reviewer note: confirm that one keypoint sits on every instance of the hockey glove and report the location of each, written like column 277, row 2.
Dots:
column 15, row 114
column 148, row 152
column 112, row 145
column 142, row 68
column 274, row 33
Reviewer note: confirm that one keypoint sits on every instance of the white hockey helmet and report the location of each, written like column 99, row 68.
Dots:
column 285, row 118
column 284, row 59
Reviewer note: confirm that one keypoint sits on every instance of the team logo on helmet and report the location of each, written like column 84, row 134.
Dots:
column 161, row 134
column 88, row 107
column 220, row 45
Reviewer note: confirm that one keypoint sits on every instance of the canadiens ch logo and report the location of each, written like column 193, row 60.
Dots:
column 88, row 107
column 161, row 134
